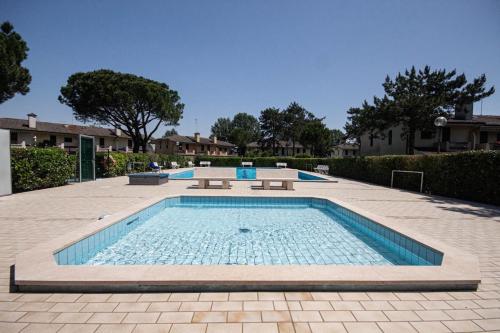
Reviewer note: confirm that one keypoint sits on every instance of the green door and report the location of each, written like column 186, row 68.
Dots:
column 87, row 170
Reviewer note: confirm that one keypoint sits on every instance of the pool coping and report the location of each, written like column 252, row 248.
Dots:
column 37, row 270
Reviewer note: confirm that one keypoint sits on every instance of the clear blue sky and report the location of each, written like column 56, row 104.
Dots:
column 233, row 56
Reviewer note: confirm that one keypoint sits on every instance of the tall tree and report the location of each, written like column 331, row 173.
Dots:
column 222, row 129
column 317, row 137
column 14, row 78
column 295, row 117
column 337, row 136
column 272, row 125
column 418, row 97
column 170, row 132
column 136, row 105
column 246, row 129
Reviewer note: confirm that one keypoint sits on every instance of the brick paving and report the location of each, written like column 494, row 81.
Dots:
column 29, row 218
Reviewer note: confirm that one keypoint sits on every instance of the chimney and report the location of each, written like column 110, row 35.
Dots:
column 464, row 111
column 214, row 139
column 197, row 137
column 118, row 131
column 31, row 120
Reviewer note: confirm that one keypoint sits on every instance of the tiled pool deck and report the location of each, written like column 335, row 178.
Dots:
column 30, row 218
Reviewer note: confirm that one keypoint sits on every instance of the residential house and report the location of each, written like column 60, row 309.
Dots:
column 345, row 149
column 283, row 148
column 193, row 145
column 31, row 132
column 464, row 131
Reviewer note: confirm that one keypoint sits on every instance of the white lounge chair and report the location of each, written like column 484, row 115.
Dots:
column 323, row 169
column 174, row 165
column 246, row 164
column 205, row 163
column 155, row 167
column 190, row 164
column 281, row 165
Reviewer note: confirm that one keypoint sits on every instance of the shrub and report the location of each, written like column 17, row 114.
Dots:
column 296, row 163
column 471, row 175
column 115, row 164
column 37, row 168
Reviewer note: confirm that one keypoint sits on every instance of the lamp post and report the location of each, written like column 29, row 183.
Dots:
column 440, row 122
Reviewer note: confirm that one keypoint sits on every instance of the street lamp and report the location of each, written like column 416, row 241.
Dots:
column 440, row 122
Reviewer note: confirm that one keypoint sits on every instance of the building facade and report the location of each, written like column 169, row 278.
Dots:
column 464, row 131
column 31, row 132
column 193, row 145
column 345, row 150
column 283, row 148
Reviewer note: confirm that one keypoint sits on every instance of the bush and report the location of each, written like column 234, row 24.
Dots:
column 296, row 163
column 37, row 168
column 471, row 175
column 115, row 164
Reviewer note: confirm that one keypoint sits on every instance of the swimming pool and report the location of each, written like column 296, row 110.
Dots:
column 245, row 174
column 199, row 230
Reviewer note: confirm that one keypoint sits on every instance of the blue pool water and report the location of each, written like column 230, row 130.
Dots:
column 242, row 173
column 247, row 231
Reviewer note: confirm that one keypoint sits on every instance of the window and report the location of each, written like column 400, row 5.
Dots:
column 389, row 137
column 483, row 137
column 202, row 147
column 52, row 140
column 446, row 134
column 346, row 152
column 13, row 137
column 371, row 140
column 129, row 143
column 426, row 135
column 68, row 139
column 498, row 136
column 353, row 153
column 101, row 142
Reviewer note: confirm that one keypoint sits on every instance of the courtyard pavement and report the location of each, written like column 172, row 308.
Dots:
column 27, row 219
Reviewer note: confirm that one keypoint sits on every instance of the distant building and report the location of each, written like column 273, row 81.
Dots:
column 31, row 132
column 283, row 148
column 345, row 150
column 193, row 145
column 463, row 132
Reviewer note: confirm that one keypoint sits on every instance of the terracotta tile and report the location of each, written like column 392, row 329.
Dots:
column 141, row 318
column 195, row 306
column 80, row 328
column 210, row 317
column 337, row 316
column 362, row 328
column 106, row 318
column 152, row 328
column 175, row 317
column 276, row 316
column 227, row 306
column 188, row 328
column 260, row 328
column 305, row 316
column 224, row 328
column 244, row 317
column 116, row 328
column 327, row 328
column 42, row 328
column 430, row 327
column 72, row 318
column 400, row 327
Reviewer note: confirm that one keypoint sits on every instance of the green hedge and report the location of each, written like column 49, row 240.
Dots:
column 115, row 164
column 296, row 163
column 469, row 175
column 37, row 168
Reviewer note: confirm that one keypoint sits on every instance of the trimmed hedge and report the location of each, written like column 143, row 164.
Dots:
column 115, row 163
column 295, row 163
column 37, row 168
column 471, row 175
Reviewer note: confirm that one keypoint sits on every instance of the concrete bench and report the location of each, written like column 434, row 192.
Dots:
column 286, row 183
column 147, row 178
column 205, row 163
column 246, row 164
column 204, row 183
column 281, row 165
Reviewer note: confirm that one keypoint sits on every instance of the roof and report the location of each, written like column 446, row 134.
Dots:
column 279, row 144
column 485, row 120
column 41, row 126
column 192, row 140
